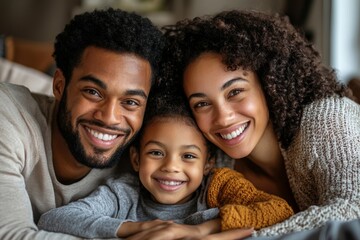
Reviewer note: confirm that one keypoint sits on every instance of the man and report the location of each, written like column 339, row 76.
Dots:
column 55, row 150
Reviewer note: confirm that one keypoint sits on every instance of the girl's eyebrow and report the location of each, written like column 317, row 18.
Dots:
column 155, row 142
column 190, row 146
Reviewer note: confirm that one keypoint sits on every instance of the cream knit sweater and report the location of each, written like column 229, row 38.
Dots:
column 323, row 166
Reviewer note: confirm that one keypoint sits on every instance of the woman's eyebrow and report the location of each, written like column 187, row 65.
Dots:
column 232, row 81
column 223, row 87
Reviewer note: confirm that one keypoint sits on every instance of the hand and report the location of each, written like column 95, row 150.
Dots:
column 230, row 235
column 129, row 228
column 167, row 231
column 172, row 231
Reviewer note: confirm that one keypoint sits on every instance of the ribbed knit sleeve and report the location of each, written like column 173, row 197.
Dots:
column 241, row 204
column 323, row 166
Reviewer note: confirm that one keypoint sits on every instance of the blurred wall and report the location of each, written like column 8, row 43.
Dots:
column 37, row 20
column 202, row 7
column 333, row 25
column 345, row 35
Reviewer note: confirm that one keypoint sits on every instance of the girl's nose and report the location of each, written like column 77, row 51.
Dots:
column 170, row 164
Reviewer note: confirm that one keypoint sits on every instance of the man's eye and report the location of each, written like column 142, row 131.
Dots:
column 131, row 102
column 92, row 92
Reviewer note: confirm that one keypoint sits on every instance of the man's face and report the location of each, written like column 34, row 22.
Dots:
column 102, row 108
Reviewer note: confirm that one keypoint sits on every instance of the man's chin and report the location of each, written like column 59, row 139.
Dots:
column 100, row 161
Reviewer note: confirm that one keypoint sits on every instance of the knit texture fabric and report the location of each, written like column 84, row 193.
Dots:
column 241, row 204
column 323, row 166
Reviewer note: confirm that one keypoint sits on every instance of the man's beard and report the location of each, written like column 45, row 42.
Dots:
column 72, row 138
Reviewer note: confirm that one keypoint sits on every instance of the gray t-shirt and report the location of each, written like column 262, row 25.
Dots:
column 123, row 199
column 28, row 184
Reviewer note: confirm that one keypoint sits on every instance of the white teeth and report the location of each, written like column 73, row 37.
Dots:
column 101, row 136
column 170, row 183
column 235, row 133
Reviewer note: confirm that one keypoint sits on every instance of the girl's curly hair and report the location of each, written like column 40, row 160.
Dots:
column 169, row 103
column 289, row 68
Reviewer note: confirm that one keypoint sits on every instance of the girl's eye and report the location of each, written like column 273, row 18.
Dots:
column 156, row 153
column 189, row 156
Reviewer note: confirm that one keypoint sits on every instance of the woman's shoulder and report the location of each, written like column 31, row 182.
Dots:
column 331, row 110
column 333, row 103
column 331, row 121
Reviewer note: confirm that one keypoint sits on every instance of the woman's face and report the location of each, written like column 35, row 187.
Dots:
column 229, row 106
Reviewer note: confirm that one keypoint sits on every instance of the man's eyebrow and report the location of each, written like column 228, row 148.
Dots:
column 90, row 78
column 131, row 92
column 136, row 92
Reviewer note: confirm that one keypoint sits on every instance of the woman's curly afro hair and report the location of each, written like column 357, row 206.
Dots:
column 288, row 66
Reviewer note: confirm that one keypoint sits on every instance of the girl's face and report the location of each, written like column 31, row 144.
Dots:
column 229, row 106
column 172, row 160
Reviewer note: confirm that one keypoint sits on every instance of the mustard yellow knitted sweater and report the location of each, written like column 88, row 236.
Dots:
column 241, row 204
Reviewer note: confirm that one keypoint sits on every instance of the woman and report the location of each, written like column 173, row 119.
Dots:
column 258, row 91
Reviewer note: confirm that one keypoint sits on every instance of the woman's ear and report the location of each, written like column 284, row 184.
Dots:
column 58, row 84
column 209, row 165
column 134, row 158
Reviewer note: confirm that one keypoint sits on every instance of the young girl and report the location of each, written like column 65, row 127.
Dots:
column 259, row 92
column 171, row 158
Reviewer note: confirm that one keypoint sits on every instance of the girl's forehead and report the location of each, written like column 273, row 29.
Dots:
column 176, row 122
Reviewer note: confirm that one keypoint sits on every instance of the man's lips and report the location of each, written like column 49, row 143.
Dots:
column 101, row 136
column 101, row 139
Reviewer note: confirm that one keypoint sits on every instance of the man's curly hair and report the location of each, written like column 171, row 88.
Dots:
column 288, row 66
column 111, row 29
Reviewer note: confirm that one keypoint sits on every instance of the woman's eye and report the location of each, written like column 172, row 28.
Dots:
column 201, row 104
column 235, row 92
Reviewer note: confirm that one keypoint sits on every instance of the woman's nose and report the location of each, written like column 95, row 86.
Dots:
column 223, row 114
